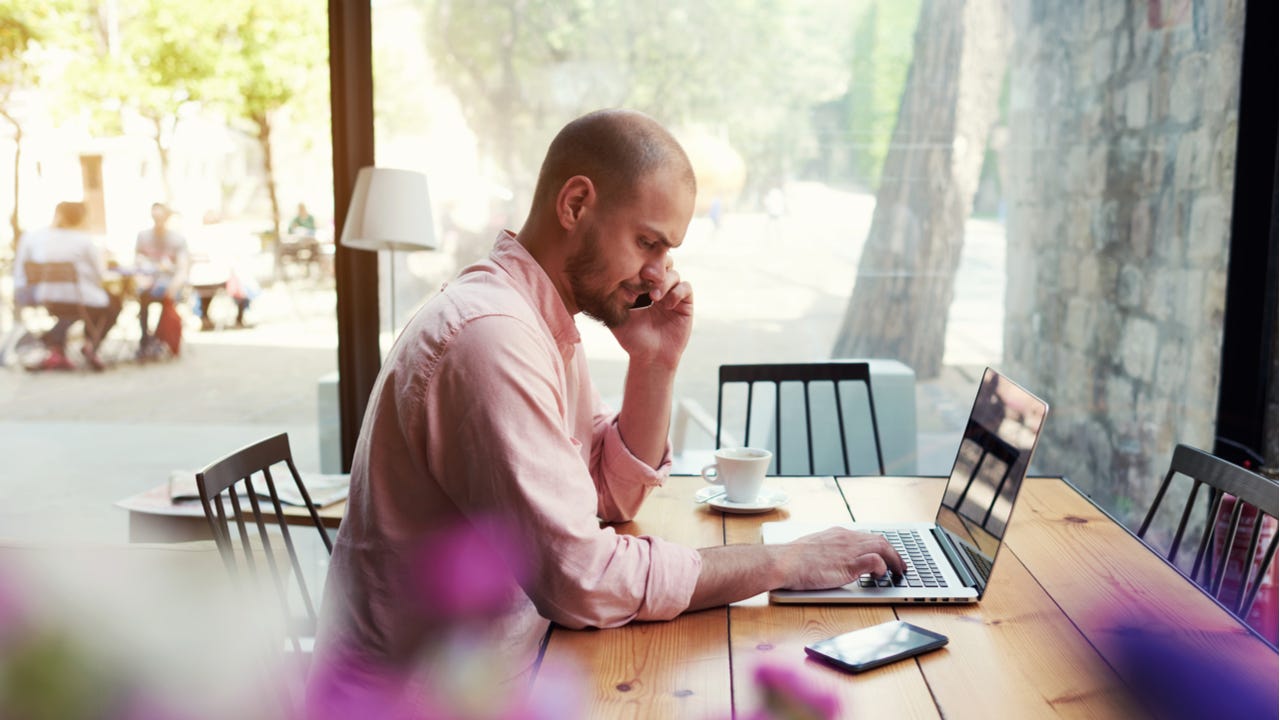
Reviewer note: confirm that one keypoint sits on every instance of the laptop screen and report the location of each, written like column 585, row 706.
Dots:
column 992, row 461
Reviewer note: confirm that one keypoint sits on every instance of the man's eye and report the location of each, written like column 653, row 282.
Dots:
column 647, row 244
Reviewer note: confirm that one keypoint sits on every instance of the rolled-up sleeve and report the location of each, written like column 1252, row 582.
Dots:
column 622, row 480
column 496, row 432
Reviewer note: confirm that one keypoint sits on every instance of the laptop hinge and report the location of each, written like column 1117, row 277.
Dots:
column 954, row 557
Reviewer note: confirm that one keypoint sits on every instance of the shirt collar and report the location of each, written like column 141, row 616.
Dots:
column 535, row 284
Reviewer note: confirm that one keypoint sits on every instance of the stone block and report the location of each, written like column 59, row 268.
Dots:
column 1078, row 231
column 1187, row 91
column 1120, row 400
column 1190, row 301
column 1129, row 287
column 1155, row 163
column 1109, row 325
column 1138, row 348
column 1087, row 277
column 1222, row 83
column 1171, row 366
column 1079, row 326
column 1103, row 224
column 1164, row 295
column 1140, row 229
column 1168, row 231
column 1195, row 159
column 1102, row 59
column 1137, row 101
column 1068, row 272
column 1222, row 176
column 1208, row 231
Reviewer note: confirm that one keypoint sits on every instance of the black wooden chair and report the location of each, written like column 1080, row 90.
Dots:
column 827, row 396
column 225, row 487
column 64, row 275
column 1243, row 490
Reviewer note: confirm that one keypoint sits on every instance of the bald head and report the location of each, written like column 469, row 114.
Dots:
column 616, row 149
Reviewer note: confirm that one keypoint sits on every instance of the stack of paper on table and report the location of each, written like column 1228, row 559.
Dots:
column 324, row 489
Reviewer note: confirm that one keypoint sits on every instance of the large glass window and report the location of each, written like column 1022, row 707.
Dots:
column 1037, row 186
column 220, row 112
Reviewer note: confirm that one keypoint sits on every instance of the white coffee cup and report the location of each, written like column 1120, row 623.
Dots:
column 741, row 471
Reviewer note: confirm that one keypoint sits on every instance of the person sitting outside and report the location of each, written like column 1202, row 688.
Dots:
column 484, row 416
column 214, row 269
column 304, row 223
column 161, row 261
column 66, row 241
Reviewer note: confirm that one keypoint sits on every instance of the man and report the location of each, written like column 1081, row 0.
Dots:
column 66, row 241
column 484, row 416
column 304, row 223
column 161, row 260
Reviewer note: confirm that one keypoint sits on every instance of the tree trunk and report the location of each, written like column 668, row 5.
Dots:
column 906, row 275
column 268, row 167
column 163, row 152
column 17, row 175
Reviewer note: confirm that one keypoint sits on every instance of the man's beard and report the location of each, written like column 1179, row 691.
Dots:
column 584, row 269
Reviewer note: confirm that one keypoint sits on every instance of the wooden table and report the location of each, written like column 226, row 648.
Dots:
column 1053, row 636
column 154, row 517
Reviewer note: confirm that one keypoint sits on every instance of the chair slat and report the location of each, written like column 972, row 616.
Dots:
column 806, row 374
column 1253, row 496
column 234, row 475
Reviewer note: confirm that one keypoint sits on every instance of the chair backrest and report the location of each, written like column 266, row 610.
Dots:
column 1250, row 491
column 824, row 401
column 50, row 272
column 229, row 482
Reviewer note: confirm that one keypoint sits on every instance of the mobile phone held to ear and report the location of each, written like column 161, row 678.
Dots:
column 874, row 646
column 643, row 301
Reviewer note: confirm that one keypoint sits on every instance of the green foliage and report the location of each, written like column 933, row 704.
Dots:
column 883, row 43
column 165, row 54
column 273, row 55
column 27, row 30
column 745, row 70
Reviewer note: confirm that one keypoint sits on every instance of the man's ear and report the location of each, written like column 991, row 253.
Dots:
column 576, row 195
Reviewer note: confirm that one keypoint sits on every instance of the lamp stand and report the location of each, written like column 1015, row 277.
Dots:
column 391, row 291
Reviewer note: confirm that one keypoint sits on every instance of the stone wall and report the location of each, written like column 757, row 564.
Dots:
column 1122, row 123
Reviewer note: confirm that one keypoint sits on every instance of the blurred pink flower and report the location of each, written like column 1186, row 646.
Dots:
column 467, row 571
column 346, row 688
column 788, row 696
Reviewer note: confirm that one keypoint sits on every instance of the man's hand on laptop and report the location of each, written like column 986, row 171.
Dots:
column 837, row 556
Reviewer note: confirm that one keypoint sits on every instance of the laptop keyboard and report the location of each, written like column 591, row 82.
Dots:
column 922, row 571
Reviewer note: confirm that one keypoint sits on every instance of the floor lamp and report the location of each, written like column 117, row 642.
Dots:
column 390, row 210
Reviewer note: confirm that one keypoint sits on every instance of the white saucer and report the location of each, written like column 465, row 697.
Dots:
column 768, row 500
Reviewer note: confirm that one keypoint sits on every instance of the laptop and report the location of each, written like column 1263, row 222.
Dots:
column 949, row 560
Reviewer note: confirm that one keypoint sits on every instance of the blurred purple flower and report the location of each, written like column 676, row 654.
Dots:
column 788, row 696
column 1173, row 679
column 347, row 688
column 468, row 570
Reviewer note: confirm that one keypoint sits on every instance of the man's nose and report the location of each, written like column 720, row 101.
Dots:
column 655, row 271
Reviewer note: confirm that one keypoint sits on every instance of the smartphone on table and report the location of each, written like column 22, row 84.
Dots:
column 874, row 646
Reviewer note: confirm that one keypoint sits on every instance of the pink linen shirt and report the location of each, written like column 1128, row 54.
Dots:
column 484, row 409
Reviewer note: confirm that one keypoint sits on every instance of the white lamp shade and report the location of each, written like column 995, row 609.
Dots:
column 390, row 210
